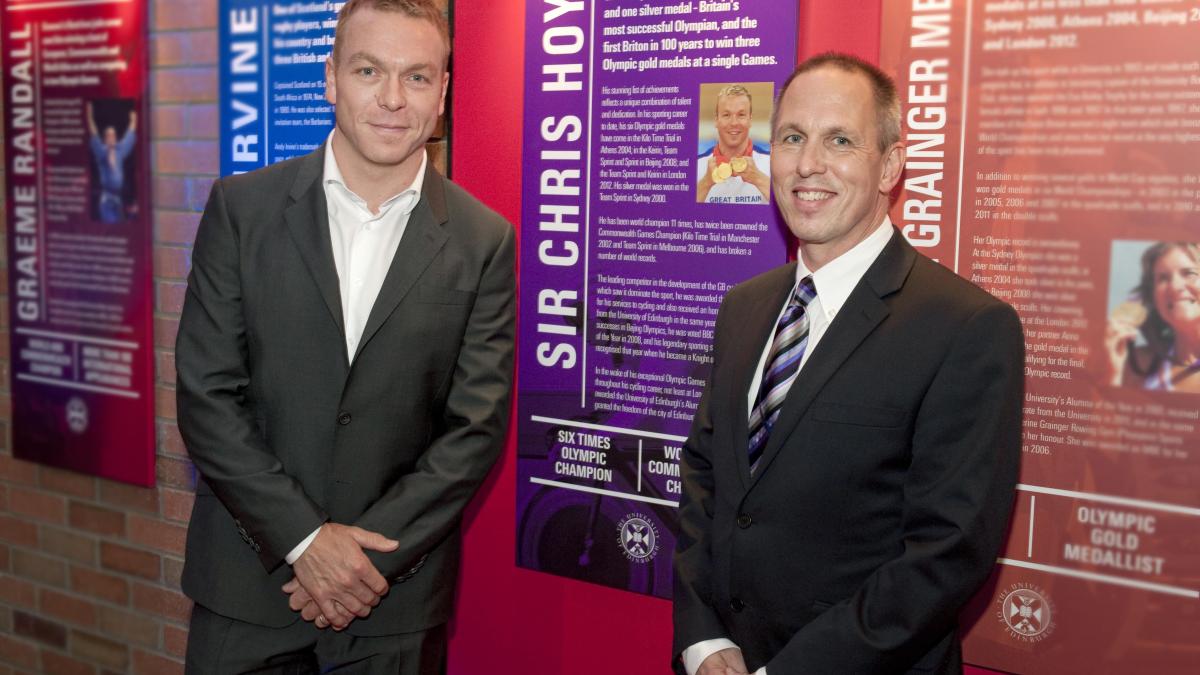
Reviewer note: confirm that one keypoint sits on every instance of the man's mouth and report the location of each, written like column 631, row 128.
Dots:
column 812, row 195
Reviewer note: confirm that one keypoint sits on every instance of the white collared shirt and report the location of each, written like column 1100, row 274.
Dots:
column 364, row 244
column 834, row 283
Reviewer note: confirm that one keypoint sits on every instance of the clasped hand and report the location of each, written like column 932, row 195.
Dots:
column 335, row 581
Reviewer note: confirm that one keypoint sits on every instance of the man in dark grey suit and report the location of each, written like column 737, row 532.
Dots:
column 850, row 470
column 344, row 366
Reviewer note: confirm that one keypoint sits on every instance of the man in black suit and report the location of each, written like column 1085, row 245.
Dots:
column 344, row 365
column 850, row 469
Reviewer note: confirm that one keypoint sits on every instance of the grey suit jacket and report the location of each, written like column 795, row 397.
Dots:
column 885, row 489
column 287, row 432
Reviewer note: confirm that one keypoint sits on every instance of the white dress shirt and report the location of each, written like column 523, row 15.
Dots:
column 364, row 244
column 834, row 282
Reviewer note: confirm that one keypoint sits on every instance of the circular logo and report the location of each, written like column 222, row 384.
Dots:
column 1026, row 612
column 77, row 415
column 638, row 537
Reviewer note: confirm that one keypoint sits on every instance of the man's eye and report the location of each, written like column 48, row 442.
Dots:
column 367, row 70
column 417, row 77
column 841, row 140
column 792, row 139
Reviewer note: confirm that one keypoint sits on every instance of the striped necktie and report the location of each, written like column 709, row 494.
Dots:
column 783, row 362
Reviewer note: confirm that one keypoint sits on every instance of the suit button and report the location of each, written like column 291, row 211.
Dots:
column 737, row 605
column 744, row 520
column 343, row 418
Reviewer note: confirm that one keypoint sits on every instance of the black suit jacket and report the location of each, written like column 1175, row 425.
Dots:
column 287, row 432
column 885, row 489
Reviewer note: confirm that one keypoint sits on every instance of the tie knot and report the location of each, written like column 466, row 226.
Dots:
column 806, row 290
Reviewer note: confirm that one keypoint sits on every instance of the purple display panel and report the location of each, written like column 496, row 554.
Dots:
column 79, row 235
column 627, row 249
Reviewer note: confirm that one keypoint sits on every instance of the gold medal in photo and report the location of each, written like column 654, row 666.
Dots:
column 739, row 164
column 1132, row 313
column 722, row 172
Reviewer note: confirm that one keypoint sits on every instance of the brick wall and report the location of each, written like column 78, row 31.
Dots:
column 89, row 568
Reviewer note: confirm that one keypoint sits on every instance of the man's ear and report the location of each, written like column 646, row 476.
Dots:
column 330, row 81
column 445, row 88
column 893, row 166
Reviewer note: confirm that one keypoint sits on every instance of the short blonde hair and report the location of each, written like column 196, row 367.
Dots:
column 427, row 10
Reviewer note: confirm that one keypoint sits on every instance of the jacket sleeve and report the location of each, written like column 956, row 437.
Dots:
column 216, row 413
column 694, row 617
column 958, row 495
column 424, row 506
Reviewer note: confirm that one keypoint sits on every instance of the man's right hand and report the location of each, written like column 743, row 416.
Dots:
column 339, row 576
column 725, row 662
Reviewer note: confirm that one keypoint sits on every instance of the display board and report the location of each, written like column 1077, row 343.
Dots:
column 80, row 287
column 634, row 225
column 1052, row 160
column 272, row 79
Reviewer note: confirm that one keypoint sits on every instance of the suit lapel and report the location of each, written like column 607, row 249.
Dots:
column 759, row 327
column 307, row 219
column 423, row 238
column 863, row 311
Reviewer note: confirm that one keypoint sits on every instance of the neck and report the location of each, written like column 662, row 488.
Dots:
column 1187, row 347
column 732, row 152
column 819, row 254
column 374, row 182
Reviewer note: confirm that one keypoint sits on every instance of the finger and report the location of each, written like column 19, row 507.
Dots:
column 375, row 583
column 291, row 586
column 349, row 607
column 321, row 621
column 310, row 612
column 296, row 603
column 333, row 611
column 359, row 602
column 373, row 540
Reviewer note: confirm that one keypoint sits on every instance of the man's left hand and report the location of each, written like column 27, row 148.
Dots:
column 757, row 178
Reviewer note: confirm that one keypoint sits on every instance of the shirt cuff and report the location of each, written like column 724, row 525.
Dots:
column 693, row 656
column 292, row 557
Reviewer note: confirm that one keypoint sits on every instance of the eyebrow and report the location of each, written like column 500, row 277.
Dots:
column 379, row 63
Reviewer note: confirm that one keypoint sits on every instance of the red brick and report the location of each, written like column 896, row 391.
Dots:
column 39, row 629
column 164, row 367
column 170, row 296
column 170, row 121
column 66, row 544
column 128, row 626
column 96, row 519
column 99, row 650
column 18, row 651
column 185, row 85
column 160, row 601
column 204, row 122
column 16, row 470
column 190, row 157
column 3, row 497
column 170, row 443
column 177, row 473
column 130, row 560
column 174, row 640
column 172, row 572
column 170, row 192
column 156, row 534
column 175, row 227
column 184, row 48
column 17, row 592
column 18, row 531
column 175, row 15
column 147, row 663
column 40, row 568
column 69, row 608
column 60, row 664
column 108, row 587
column 172, row 262
column 177, row 505
column 130, row 497
column 4, row 557
column 164, row 398
column 37, row 504
column 67, row 482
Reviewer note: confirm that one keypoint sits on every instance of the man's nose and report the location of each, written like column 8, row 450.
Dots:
column 391, row 94
column 811, row 159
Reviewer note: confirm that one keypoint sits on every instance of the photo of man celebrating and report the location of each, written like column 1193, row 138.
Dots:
column 733, row 171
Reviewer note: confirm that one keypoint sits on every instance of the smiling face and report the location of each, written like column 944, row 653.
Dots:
column 1177, row 289
column 733, row 123
column 388, row 86
column 830, row 177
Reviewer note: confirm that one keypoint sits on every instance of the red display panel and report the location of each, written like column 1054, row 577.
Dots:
column 1052, row 160
column 79, row 235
